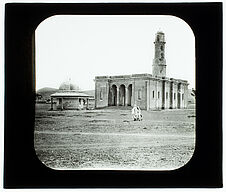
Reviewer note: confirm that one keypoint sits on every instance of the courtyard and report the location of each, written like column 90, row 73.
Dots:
column 109, row 139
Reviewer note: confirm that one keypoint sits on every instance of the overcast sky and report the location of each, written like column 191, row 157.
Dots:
column 82, row 47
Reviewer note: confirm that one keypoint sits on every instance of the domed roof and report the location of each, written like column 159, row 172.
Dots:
column 160, row 32
column 68, row 86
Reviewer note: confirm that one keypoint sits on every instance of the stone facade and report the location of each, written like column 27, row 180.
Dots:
column 145, row 90
column 69, row 97
column 70, row 100
column 68, row 103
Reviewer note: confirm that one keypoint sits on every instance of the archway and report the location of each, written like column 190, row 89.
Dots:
column 129, row 95
column 122, row 97
column 114, row 95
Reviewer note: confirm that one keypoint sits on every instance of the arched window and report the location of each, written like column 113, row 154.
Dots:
column 101, row 95
column 153, row 94
column 157, row 38
column 139, row 94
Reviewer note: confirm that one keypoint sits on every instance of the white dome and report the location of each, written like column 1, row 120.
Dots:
column 68, row 86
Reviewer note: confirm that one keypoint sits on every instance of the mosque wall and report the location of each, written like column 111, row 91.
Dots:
column 167, row 94
column 159, row 94
column 153, row 94
column 140, row 93
column 175, row 95
column 147, row 93
column 101, row 93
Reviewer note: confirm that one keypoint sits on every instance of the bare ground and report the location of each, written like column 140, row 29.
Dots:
column 110, row 139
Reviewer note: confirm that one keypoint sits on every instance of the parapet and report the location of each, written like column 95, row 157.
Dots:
column 143, row 75
column 123, row 76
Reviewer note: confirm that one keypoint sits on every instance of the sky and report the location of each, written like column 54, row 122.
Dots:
column 80, row 47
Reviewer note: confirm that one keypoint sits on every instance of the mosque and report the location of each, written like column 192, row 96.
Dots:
column 148, row 91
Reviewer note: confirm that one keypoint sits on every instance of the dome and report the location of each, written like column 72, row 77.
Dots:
column 160, row 32
column 68, row 86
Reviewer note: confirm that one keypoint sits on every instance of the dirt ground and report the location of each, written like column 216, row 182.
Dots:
column 109, row 138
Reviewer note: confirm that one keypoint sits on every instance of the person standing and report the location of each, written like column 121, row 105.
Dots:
column 139, row 115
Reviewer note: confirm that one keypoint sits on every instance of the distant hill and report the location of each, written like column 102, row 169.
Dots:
column 46, row 92
column 89, row 92
column 46, row 89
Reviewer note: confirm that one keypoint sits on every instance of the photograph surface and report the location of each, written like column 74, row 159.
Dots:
column 114, row 92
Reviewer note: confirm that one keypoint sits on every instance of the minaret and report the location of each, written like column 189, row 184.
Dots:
column 159, row 62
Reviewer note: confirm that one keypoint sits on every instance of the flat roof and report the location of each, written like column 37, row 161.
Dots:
column 142, row 75
column 69, row 94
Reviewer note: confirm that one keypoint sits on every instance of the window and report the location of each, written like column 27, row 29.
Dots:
column 153, row 94
column 139, row 94
column 161, row 47
column 166, row 95
column 158, row 94
column 174, row 96
column 101, row 95
column 157, row 38
column 183, row 96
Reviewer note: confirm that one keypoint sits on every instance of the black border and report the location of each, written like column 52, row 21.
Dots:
column 22, row 169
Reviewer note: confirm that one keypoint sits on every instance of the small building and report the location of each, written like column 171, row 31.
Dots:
column 69, row 97
column 149, row 91
column 38, row 98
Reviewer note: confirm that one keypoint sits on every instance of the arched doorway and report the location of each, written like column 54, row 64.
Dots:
column 129, row 95
column 122, row 97
column 114, row 95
